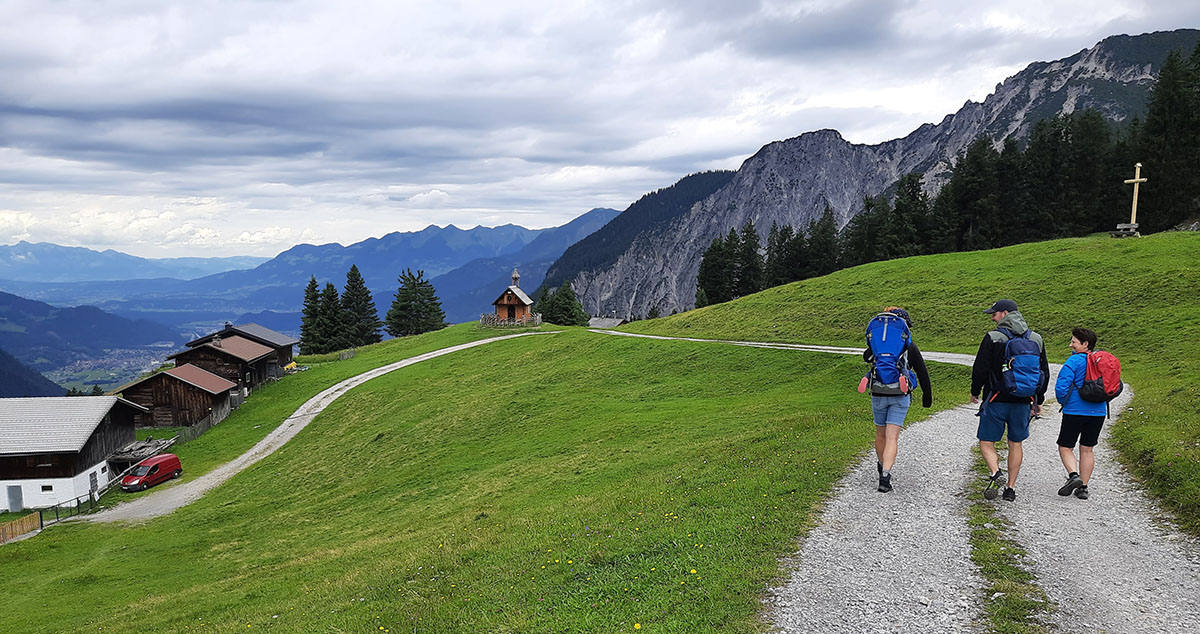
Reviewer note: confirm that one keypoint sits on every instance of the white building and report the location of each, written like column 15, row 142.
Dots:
column 54, row 449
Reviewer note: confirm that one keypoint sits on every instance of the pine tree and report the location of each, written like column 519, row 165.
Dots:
column 1169, row 144
column 701, row 297
column 362, row 318
column 796, row 255
column 823, row 245
column 416, row 307
column 909, row 213
column 330, row 325
column 749, row 262
column 308, row 318
column 562, row 307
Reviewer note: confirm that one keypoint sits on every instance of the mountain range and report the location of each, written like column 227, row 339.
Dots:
column 790, row 182
column 46, row 337
column 47, row 262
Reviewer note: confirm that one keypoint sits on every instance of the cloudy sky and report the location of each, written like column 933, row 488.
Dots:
column 226, row 128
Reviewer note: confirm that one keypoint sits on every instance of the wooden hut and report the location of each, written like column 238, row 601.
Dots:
column 281, row 343
column 513, row 304
column 233, row 358
column 54, row 449
column 181, row 396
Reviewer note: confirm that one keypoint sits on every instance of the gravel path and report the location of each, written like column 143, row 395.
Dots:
column 166, row 500
column 900, row 562
column 1107, row 562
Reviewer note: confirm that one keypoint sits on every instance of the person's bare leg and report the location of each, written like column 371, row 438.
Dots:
column 990, row 457
column 1014, row 462
column 1087, row 462
column 880, row 443
column 1068, row 458
column 891, row 446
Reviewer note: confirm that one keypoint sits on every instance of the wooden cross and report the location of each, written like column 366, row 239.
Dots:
column 1135, row 181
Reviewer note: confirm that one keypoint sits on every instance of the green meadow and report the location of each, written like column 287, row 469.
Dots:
column 570, row 482
column 1141, row 296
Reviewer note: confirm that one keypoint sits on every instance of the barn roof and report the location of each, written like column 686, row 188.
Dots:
column 518, row 292
column 254, row 332
column 201, row 378
column 191, row 375
column 50, row 424
column 235, row 346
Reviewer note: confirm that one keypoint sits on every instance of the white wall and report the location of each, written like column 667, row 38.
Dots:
column 64, row 489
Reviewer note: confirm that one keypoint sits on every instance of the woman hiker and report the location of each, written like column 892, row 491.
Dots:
column 1081, row 420
column 890, row 409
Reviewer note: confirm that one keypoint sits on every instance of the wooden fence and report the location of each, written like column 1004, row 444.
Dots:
column 492, row 320
column 16, row 528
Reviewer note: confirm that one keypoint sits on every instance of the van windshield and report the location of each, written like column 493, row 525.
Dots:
column 140, row 470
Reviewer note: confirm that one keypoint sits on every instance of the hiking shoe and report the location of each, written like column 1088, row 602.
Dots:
column 1073, row 482
column 993, row 486
column 1082, row 492
column 885, row 483
column 1009, row 494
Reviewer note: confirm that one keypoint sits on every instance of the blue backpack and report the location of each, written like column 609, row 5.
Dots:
column 887, row 338
column 1021, row 374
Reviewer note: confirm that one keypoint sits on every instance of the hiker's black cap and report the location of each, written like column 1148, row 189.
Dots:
column 1004, row 304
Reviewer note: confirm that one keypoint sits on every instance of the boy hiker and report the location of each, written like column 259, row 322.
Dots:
column 894, row 358
column 1010, row 373
column 1082, row 419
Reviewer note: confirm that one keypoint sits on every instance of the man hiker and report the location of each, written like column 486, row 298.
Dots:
column 890, row 402
column 1081, row 420
column 1010, row 375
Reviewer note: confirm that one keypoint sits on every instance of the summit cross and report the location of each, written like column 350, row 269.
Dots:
column 1130, row 230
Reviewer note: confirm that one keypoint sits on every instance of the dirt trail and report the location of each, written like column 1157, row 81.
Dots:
column 166, row 500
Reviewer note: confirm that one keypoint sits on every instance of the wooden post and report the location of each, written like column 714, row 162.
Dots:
column 1130, row 230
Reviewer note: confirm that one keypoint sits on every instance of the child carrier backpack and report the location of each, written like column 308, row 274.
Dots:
column 887, row 338
column 1021, row 375
column 1102, row 380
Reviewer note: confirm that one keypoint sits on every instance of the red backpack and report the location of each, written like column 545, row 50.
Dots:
column 1102, row 380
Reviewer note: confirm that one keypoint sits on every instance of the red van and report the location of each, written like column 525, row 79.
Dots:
column 151, row 471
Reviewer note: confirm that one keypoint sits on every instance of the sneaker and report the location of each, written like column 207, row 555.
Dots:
column 1073, row 482
column 885, row 483
column 1082, row 492
column 993, row 486
column 1009, row 494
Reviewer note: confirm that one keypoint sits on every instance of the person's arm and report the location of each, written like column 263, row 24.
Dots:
column 1041, row 393
column 918, row 365
column 1066, row 378
column 982, row 368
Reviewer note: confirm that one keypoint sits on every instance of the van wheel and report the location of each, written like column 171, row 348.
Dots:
column 176, row 474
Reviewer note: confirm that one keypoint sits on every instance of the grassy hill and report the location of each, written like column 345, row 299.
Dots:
column 1140, row 296
column 572, row 482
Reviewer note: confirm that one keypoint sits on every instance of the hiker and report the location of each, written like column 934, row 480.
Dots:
column 1081, row 420
column 890, row 402
column 1010, row 374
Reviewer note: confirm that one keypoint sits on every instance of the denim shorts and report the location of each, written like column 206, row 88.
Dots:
column 994, row 417
column 890, row 410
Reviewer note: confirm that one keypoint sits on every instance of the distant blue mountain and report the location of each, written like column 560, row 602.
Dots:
column 470, row 289
column 47, row 262
column 18, row 380
column 47, row 337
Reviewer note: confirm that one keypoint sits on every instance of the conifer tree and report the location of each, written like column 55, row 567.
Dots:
column 562, row 307
column 1169, row 146
column 823, row 244
column 308, row 318
column 701, row 296
column 330, row 323
column 749, row 262
column 362, row 318
column 416, row 307
column 908, row 215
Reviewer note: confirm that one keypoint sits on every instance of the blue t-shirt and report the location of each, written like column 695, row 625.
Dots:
column 1073, row 372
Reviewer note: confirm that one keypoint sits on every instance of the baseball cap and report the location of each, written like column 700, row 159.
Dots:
column 1003, row 304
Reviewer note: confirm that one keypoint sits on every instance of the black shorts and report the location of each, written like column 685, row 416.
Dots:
column 1085, row 429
